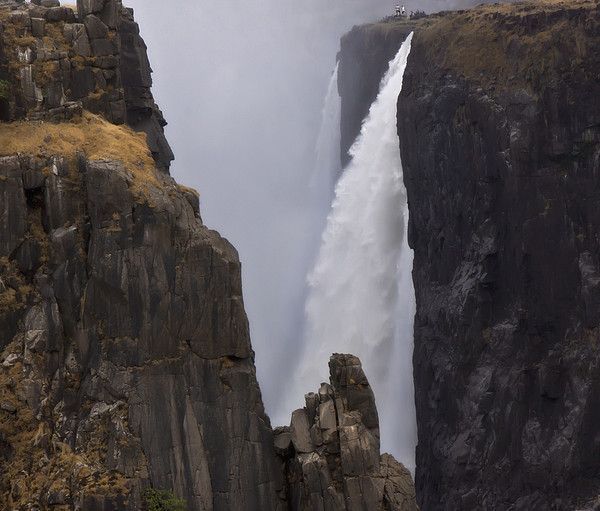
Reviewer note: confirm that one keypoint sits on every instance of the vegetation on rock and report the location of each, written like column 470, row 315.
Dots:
column 163, row 500
column 4, row 89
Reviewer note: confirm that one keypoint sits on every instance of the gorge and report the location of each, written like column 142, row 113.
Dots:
column 126, row 360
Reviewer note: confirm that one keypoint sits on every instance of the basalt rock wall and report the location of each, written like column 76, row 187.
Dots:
column 331, row 449
column 499, row 125
column 125, row 357
column 55, row 61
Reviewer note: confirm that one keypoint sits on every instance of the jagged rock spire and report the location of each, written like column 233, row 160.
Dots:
column 331, row 449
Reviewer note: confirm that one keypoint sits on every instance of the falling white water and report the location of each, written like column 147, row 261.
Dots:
column 328, row 162
column 361, row 299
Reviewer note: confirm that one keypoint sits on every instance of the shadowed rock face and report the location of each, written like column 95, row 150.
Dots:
column 499, row 124
column 125, row 357
column 331, row 449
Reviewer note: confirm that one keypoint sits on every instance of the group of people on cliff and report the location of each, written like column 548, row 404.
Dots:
column 401, row 13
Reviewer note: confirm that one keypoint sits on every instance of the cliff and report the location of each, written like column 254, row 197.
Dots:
column 125, row 357
column 499, row 125
column 125, row 354
column 54, row 62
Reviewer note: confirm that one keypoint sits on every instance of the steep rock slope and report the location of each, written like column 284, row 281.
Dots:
column 499, row 122
column 125, row 356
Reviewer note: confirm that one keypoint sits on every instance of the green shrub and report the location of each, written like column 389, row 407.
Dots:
column 4, row 89
column 163, row 500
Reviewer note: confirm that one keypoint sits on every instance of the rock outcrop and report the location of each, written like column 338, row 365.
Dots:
column 127, row 359
column 54, row 62
column 499, row 124
column 331, row 449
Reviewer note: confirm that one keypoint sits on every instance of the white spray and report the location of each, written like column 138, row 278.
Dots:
column 361, row 299
column 328, row 162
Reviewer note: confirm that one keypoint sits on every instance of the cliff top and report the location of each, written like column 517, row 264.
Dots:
column 514, row 45
column 504, row 45
column 90, row 135
column 59, row 60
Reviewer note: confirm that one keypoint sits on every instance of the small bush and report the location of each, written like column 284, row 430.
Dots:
column 163, row 500
column 4, row 89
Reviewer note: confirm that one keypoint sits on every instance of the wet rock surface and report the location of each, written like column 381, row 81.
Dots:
column 331, row 449
column 499, row 125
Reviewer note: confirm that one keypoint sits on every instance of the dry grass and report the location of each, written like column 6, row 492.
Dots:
column 509, row 44
column 91, row 135
column 187, row 189
column 40, row 461
column 15, row 36
column 15, row 296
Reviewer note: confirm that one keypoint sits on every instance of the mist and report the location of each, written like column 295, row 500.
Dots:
column 242, row 86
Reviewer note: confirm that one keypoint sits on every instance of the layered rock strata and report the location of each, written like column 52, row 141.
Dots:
column 331, row 449
column 125, row 357
column 499, row 125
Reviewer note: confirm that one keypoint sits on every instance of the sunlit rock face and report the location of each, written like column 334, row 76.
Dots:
column 499, row 127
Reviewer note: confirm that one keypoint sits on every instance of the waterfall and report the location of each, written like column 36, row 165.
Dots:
column 360, row 297
column 328, row 162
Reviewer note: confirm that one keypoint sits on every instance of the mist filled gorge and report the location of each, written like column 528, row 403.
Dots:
column 308, row 255
column 265, row 158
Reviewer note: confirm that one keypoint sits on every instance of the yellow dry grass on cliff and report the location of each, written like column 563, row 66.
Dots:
column 91, row 135
column 39, row 461
column 493, row 44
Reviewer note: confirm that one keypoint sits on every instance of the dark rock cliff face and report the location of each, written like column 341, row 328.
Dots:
column 125, row 354
column 499, row 124
column 58, row 61
column 120, row 363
